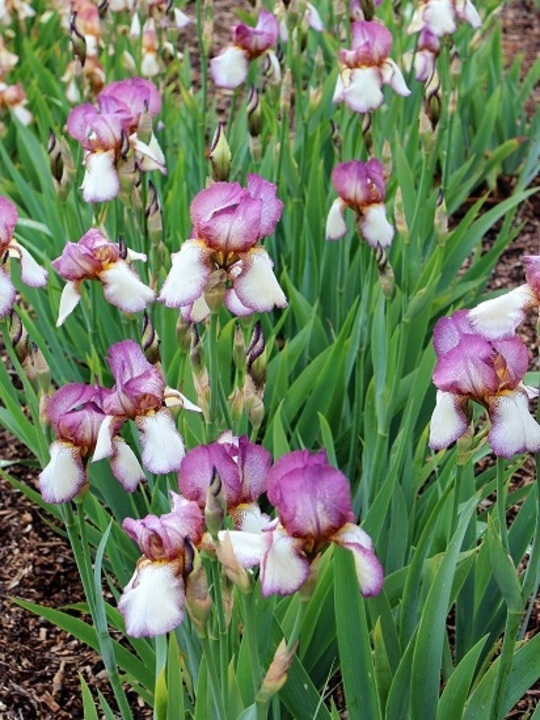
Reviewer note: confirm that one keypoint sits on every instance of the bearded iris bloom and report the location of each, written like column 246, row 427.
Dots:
column 140, row 395
column 489, row 372
column 153, row 601
column 439, row 16
column 95, row 258
column 76, row 413
column 366, row 67
column 361, row 187
column 224, row 253
column 314, row 508
column 32, row 274
column 230, row 68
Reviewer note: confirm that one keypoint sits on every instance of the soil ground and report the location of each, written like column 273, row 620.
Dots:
column 39, row 664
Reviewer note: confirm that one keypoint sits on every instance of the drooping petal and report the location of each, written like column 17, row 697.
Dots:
column 125, row 466
column 7, row 293
column 393, row 76
column 375, row 226
column 498, row 318
column 153, row 601
column 197, row 470
column 313, row 18
column 101, row 182
column 247, row 546
column 336, row 227
column 64, row 475
column 368, row 568
column 448, row 421
column 104, row 444
column 272, row 206
column 513, row 428
column 8, row 219
column 233, row 304
column 150, row 156
column 124, row 289
column 162, row 445
column 256, row 285
column 230, row 68
column 466, row 11
column 188, row 275
column 32, row 274
column 439, row 17
column 70, row 298
column 363, row 92
column 284, row 568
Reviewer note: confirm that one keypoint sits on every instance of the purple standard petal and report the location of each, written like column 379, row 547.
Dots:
column 218, row 196
column 153, row 601
column 312, row 498
column 87, row 257
column 139, row 385
column 255, row 41
column 449, row 331
column 359, row 184
column 513, row 428
column 371, row 41
column 75, row 411
column 254, row 464
column 137, row 94
column 235, row 228
column 8, row 219
column 468, row 369
column 272, row 207
column 511, row 363
column 197, row 470
column 94, row 130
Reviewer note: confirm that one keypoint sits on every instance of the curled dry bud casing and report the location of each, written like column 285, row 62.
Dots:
column 220, row 155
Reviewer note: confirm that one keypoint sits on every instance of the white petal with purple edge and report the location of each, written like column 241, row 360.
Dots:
column 466, row 11
column 393, row 76
column 368, row 568
column 125, row 466
column 101, row 181
column 124, row 289
column 7, row 293
column 375, row 226
column 162, row 445
column 499, row 317
column 257, row 286
column 32, row 274
column 64, row 475
column 439, row 17
column 313, row 18
column 513, row 428
column 340, row 86
column 188, row 275
column 363, row 92
column 230, row 68
column 150, row 156
column 336, row 227
column 247, row 546
column 104, row 446
column 153, row 601
column 69, row 300
column 233, row 304
column 448, row 421
column 283, row 568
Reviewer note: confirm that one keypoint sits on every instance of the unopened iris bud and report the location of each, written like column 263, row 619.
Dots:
column 199, row 372
column 286, row 93
column 184, row 333
column 36, row 369
column 216, row 505
column 335, row 135
column 220, row 155
column 198, row 601
column 433, row 99
column 441, row 220
column 254, row 113
column 256, row 356
column 386, row 273
column 78, row 41
column 150, row 340
column 214, row 292
column 154, row 222
column 366, row 131
column 400, row 218
column 368, row 10
column 18, row 336
column 386, row 157
column 102, row 8
column 276, row 677
column 55, row 156
column 239, row 348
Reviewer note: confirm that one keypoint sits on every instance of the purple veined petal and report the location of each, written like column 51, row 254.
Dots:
column 101, row 182
column 272, row 207
column 149, row 156
column 313, row 18
column 8, row 219
column 498, row 318
column 75, row 413
column 247, row 546
column 360, row 184
column 284, row 567
column 448, row 421
column 132, row 371
column 84, row 259
column 336, row 226
column 466, row 11
column 187, row 517
column 77, row 123
column 162, row 445
column 256, row 286
column 153, row 601
column 249, row 518
column 104, row 443
column 188, row 275
column 7, row 293
column 254, row 462
column 439, row 17
column 363, row 91
column 32, row 274
column 230, row 68
column 449, row 331
column 124, row 289
column 375, row 226
column 392, row 75
column 424, row 65
column 511, row 361
column 70, row 298
column 125, row 465
column 64, row 475
column 369, row 570
column 513, row 428
column 138, row 94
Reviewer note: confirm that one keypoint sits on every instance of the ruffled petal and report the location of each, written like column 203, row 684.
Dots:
column 64, row 475
column 124, row 289
column 448, row 421
column 256, row 285
column 363, row 92
column 162, row 445
column 498, row 318
column 513, row 428
column 153, row 601
column 188, row 275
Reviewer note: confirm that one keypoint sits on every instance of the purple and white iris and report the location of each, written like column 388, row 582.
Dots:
column 489, row 372
column 366, row 67
column 95, row 258
column 439, row 17
column 32, row 274
column 153, row 601
column 230, row 68
column 314, row 508
column 229, row 222
column 361, row 187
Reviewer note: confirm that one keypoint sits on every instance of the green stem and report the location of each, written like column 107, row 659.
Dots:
column 250, row 628
column 221, row 627
column 214, row 678
column 502, row 489
column 213, row 370
column 505, row 663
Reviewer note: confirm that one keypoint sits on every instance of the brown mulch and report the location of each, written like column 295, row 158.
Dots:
column 40, row 665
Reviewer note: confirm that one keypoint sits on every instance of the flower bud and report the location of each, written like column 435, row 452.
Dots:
column 198, row 600
column 239, row 348
column 154, row 222
column 276, row 677
column 220, row 155
column 256, row 356
column 400, row 218
column 441, row 220
column 78, row 41
column 36, row 369
column 150, row 340
column 254, row 113
column 55, row 157
column 18, row 336
column 214, row 292
column 184, row 333
column 386, row 273
column 216, row 505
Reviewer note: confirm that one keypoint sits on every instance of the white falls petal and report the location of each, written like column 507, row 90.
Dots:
column 124, row 289
column 69, row 300
column 32, row 274
column 125, row 466
column 448, row 421
column 336, row 227
column 247, row 546
column 7, row 293
column 393, row 76
column 188, row 275
column 513, row 428
column 104, row 446
column 375, row 226
column 499, row 317
column 101, row 181
column 64, row 475
column 363, row 92
column 284, row 568
column 162, row 445
column 256, row 286
column 230, row 68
